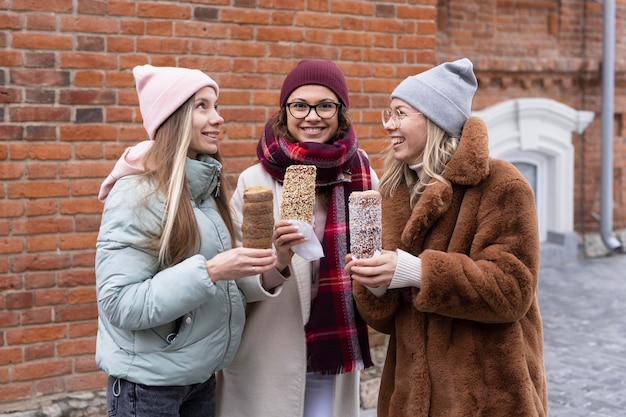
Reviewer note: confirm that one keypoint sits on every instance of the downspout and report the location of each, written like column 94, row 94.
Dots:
column 608, row 91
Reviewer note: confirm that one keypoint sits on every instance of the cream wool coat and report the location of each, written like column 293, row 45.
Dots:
column 268, row 375
column 469, row 342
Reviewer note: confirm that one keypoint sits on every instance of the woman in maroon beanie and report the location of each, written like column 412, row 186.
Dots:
column 304, row 343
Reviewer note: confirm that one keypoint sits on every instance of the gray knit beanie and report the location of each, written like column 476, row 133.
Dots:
column 443, row 94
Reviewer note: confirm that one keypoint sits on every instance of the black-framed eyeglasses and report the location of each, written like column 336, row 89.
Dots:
column 325, row 109
column 395, row 117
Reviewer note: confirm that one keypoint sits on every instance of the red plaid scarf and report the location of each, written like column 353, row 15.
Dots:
column 336, row 335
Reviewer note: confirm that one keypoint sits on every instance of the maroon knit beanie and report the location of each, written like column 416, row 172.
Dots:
column 325, row 73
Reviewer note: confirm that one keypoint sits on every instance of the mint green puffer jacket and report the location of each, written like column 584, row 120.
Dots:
column 168, row 327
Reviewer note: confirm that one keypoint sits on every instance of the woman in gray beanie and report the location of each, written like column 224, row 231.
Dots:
column 456, row 284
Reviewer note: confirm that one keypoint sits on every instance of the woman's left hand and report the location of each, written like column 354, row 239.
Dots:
column 373, row 272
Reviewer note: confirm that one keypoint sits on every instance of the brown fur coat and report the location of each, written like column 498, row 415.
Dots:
column 470, row 341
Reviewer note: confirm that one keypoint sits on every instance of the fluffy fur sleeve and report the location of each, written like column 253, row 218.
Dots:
column 495, row 280
column 377, row 312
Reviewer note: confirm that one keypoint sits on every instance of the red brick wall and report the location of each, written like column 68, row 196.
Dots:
column 68, row 108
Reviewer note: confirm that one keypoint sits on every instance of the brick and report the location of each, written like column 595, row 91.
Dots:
column 160, row 28
column 121, row 8
column 159, row 10
column 78, row 241
column 45, row 22
column 82, row 295
column 35, row 280
column 8, row 319
column 88, row 188
column 39, row 96
column 85, row 259
column 10, row 282
column 89, row 24
column 49, row 386
column 39, row 59
column 37, row 6
column 86, row 364
column 206, row 13
column 10, row 171
column 76, row 313
column 42, row 171
column 83, row 329
column 14, row 392
column 41, row 262
column 37, row 316
column 87, row 97
column 89, row 60
column 23, row 40
column 40, row 151
column 39, row 351
column 35, row 334
column 51, row 296
column 42, row 225
column 76, row 347
column 89, row 132
column 18, row 300
column 90, row 43
column 40, row 114
column 11, row 245
column 90, row 381
column 40, row 132
column 44, row 369
column 40, row 189
column 10, row 95
column 10, row 132
column 76, row 277
column 10, row 355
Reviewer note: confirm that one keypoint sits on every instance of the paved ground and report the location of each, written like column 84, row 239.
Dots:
column 583, row 305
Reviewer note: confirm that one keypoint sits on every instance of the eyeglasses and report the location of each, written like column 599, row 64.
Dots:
column 395, row 117
column 325, row 109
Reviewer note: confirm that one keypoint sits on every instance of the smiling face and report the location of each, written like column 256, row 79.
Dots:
column 206, row 124
column 312, row 128
column 409, row 140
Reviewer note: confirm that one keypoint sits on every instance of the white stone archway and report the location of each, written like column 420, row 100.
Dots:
column 535, row 134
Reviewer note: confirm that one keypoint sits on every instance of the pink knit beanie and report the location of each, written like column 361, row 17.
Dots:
column 317, row 72
column 162, row 90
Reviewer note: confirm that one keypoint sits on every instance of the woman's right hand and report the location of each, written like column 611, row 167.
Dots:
column 240, row 262
column 286, row 235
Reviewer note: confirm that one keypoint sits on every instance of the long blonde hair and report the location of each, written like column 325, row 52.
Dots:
column 165, row 166
column 438, row 150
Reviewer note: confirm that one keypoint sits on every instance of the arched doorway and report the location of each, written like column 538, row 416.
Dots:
column 535, row 134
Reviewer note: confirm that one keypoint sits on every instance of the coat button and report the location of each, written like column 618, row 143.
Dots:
column 188, row 320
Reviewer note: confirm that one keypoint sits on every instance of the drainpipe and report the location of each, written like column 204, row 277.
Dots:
column 608, row 87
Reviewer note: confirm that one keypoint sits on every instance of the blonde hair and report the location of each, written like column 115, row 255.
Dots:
column 438, row 150
column 165, row 167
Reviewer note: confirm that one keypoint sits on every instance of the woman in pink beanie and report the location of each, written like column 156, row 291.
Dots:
column 170, row 313
column 456, row 284
column 302, row 351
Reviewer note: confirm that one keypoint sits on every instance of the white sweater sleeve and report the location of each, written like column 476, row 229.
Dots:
column 408, row 271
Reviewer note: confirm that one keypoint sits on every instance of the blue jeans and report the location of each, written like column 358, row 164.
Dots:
column 127, row 399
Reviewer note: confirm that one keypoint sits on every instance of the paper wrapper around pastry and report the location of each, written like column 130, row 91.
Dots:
column 365, row 215
column 258, row 218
